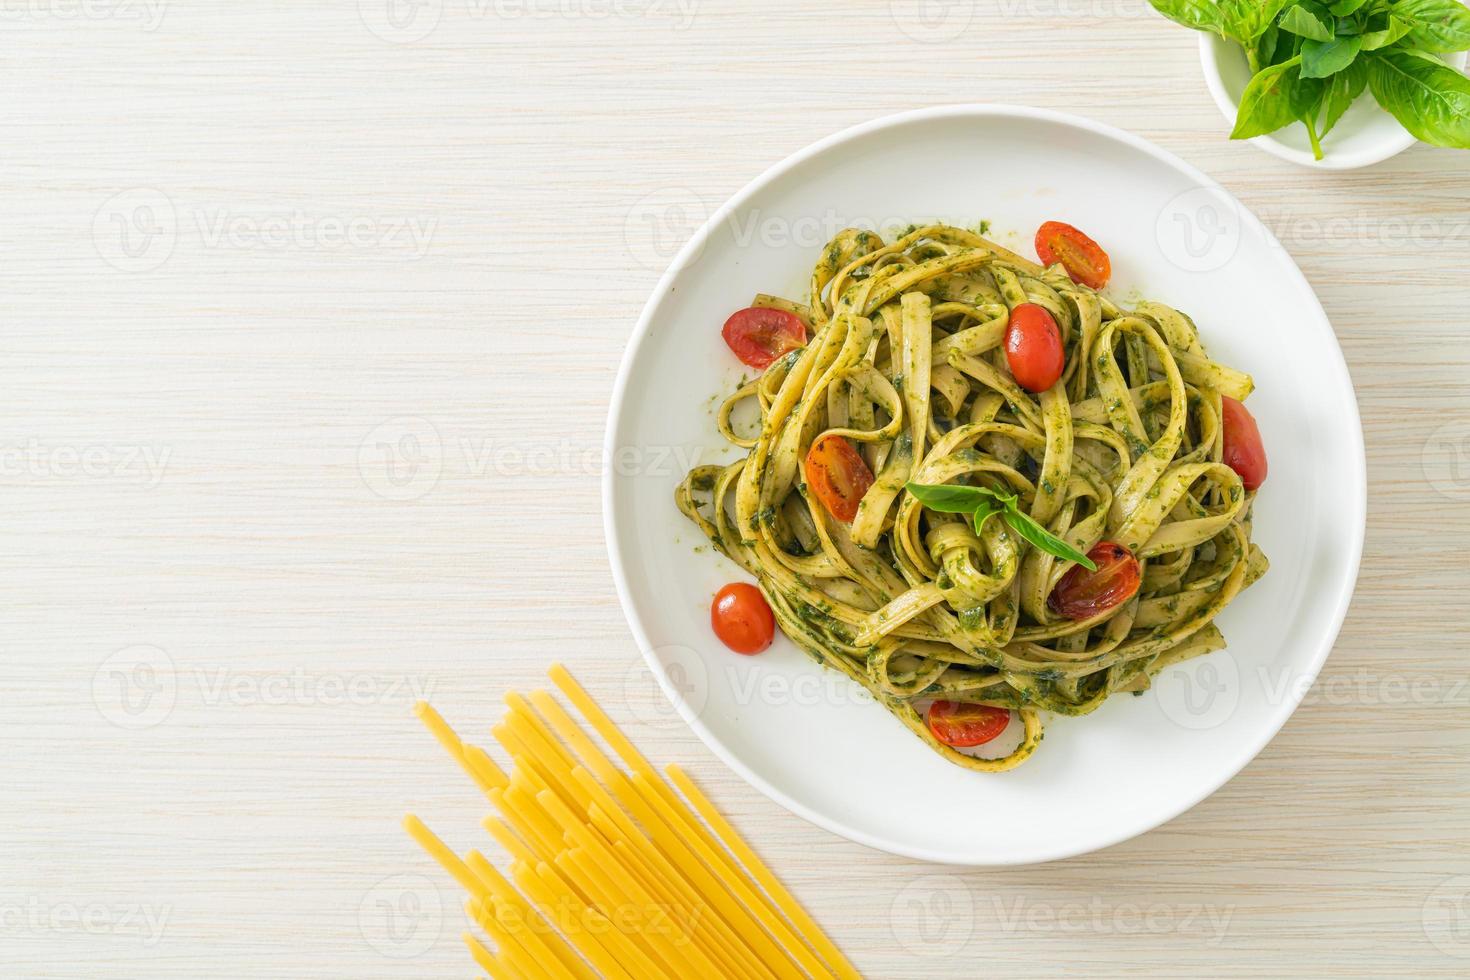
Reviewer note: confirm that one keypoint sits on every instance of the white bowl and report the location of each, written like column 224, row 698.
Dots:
column 1365, row 134
column 808, row 738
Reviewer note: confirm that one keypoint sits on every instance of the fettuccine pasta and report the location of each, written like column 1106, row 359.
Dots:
column 907, row 362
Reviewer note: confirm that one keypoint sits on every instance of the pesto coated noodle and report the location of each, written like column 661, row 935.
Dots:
column 906, row 361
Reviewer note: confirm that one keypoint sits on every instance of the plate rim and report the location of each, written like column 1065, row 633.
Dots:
column 695, row 245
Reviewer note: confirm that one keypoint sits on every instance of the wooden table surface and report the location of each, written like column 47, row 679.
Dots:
column 311, row 317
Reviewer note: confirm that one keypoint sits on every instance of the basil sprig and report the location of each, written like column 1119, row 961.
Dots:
column 1310, row 59
column 982, row 503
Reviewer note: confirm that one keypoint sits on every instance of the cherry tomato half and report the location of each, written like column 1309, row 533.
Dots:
column 742, row 618
column 1083, row 258
column 837, row 475
column 1034, row 347
column 1242, row 450
column 759, row 335
column 1082, row 594
column 962, row 725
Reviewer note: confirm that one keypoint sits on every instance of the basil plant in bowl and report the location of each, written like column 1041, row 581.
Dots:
column 1289, row 72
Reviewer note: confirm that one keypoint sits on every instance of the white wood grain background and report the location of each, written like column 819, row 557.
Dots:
column 248, row 246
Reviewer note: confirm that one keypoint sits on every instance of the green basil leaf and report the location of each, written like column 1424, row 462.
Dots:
column 1305, row 95
column 982, row 514
column 1345, row 7
column 1265, row 46
column 1343, row 90
column 1323, row 58
column 1303, row 22
column 1429, row 98
column 1390, row 34
column 1202, row 15
column 1284, row 49
column 950, row 498
column 1266, row 104
column 1044, row 540
column 1239, row 20
column 1434, row 25
column 1246, row 20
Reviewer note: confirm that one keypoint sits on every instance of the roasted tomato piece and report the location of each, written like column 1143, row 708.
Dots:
column 1083, row 258
column 742, row 618
column 759, row 335
column 1034, row 347
column 1082, row 594
column 1242, row 450
column 962, row 725
column 837, row 475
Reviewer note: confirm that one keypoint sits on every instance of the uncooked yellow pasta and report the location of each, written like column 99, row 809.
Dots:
column 612, row 873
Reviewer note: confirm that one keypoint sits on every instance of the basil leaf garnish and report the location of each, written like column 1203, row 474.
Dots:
column 982, row 503
column 1044, row 540
column 949, row 498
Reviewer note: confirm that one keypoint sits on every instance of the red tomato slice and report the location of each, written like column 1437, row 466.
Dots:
column 759, row 335
column 1083, row 258
column 1034, row 347
column 742, row 618
column 1242, row 450
column 962, row 725
column 837, row 475
column 1082, row 594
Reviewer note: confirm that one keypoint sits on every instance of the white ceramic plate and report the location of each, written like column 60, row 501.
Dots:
column 805, row 737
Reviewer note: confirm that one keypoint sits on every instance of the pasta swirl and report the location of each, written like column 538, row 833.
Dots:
column 906, row 362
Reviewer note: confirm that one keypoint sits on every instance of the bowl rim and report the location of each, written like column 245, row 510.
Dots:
column 1245, row 753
